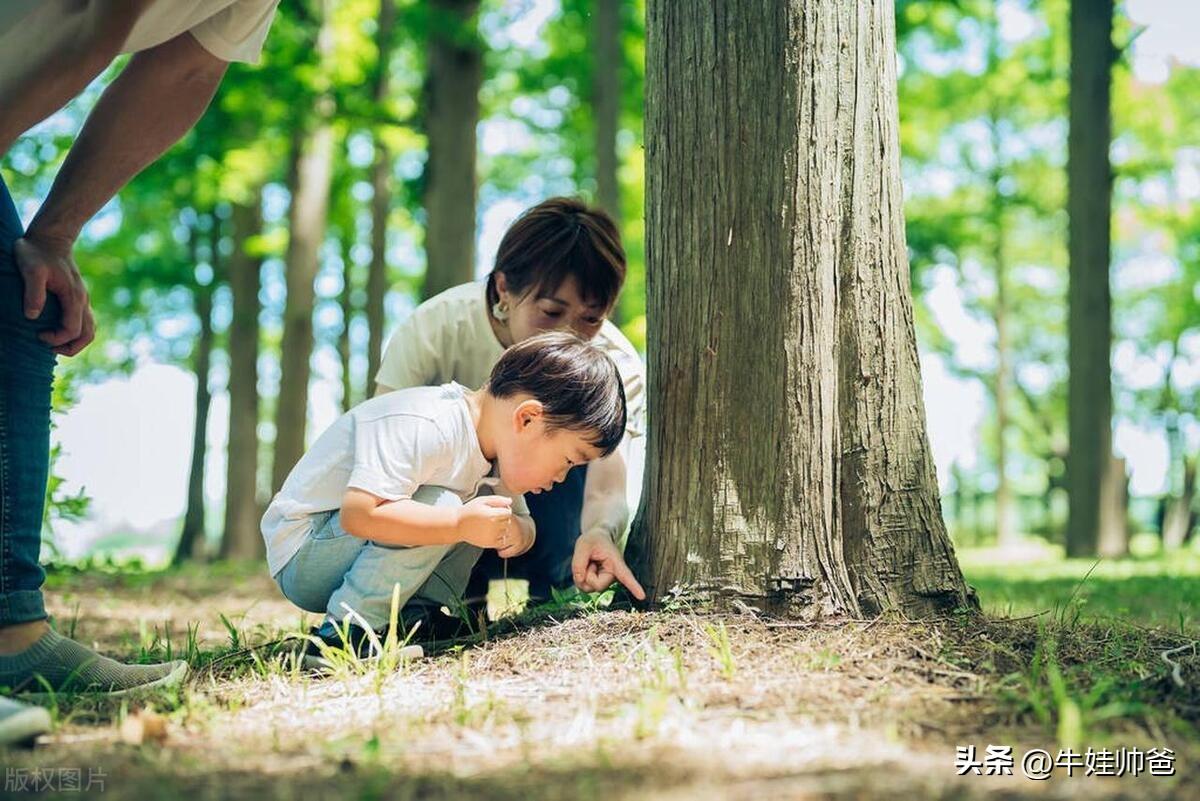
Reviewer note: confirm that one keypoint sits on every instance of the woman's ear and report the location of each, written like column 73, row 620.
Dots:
column 501, row 285
column 526, row 413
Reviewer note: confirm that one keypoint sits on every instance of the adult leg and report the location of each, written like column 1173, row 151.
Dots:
column 33, row 655
column 26, row 376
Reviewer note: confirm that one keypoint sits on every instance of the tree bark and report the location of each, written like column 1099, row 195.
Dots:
column 451, row 114
column 381, row 200
column 241, row 538
column 1089, row 209
column 306, row 225
column 191, row 537
column 788, row 460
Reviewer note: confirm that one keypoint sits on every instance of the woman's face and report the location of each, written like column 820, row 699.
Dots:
column 536, row 312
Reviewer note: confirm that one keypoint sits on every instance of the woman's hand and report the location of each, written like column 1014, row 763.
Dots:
column 598, row 563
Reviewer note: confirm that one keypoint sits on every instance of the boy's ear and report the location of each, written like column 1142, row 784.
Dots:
column 526, row 413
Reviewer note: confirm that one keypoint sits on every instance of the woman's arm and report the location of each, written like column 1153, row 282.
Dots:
column 605, row 508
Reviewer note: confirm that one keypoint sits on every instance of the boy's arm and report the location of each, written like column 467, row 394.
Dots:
column 484, row 521
column 405, row 522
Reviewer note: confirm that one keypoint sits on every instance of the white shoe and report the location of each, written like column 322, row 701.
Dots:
column 21, row 722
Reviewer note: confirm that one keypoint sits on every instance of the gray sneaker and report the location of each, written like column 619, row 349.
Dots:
column 21, row 722
column 57, row 664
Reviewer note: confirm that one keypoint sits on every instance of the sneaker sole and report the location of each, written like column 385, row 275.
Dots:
column 24, row 725
column 172, row 679
column 318, row 663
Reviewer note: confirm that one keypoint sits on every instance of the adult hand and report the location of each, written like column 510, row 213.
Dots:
column 598, row 562
column 47, row 266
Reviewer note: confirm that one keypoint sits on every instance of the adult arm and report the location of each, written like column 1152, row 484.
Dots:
column 37, row 78
column 155, row 100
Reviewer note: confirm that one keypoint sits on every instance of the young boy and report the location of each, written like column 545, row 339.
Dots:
column 408, row 488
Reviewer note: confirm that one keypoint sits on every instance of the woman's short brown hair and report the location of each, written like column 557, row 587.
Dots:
column 577, row 384
column 559, row 238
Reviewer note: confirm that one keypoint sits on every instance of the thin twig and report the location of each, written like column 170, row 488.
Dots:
column 1176, row 668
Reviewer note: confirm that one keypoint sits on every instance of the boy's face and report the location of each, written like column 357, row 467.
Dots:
column 534, row 460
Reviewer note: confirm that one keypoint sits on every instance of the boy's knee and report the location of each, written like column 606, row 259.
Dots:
column 433, row 495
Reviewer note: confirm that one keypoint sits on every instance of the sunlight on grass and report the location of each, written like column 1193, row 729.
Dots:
column 1151, row 588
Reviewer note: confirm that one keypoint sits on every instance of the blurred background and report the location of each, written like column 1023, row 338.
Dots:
column 339, row 164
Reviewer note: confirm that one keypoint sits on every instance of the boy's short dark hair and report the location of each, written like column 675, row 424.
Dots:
column 558, row 238
column 576, row 382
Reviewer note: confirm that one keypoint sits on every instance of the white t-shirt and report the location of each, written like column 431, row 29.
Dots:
column 232, row 30
column 449, row 338
column 387, row 446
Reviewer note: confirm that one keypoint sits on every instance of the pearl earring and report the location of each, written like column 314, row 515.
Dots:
column 500, row 310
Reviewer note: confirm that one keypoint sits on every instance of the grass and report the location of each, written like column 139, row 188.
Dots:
column 1150, row 590
column 577, row 700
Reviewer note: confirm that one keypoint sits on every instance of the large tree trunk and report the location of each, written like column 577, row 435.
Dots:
column 191, row 537
column 451, row 114
column 1089, row 193
column 241, row 538
column 306, row 226
column 381, row 200
column 788, row 460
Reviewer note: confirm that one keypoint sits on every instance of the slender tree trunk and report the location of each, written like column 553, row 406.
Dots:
column 1179, row 518
column 346, row 301
column 1089, row 207
column 606, row 89
column 381, row 200
column 191, row 537
column 1006, row 529
column 789, row 462
column 451, row 114
column 1114, row 532
column 306, row 225
column 241, row 538
column 1001, row 383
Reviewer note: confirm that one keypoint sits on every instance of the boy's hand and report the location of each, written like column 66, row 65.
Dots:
column 486, row 521
column 598, row 563
column 520, row 539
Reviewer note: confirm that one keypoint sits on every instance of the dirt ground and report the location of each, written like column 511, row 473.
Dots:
column 617, row 704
